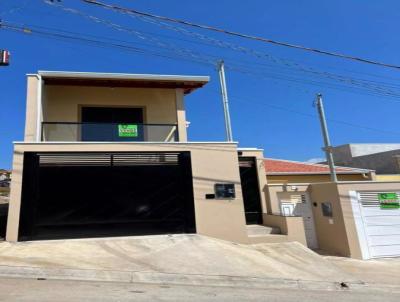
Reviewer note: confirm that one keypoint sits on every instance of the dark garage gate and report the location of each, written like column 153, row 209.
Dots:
column 78, row 195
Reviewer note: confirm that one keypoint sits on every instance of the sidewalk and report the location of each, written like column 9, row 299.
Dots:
column 28, row 290
column 379, row 271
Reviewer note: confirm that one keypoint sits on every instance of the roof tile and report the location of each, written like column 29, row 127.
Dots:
column 286, row 166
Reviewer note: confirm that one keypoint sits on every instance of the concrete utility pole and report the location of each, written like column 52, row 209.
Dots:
column 225, row 102
column 324, row 128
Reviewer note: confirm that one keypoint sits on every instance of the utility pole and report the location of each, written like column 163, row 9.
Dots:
column 225, row 102
column 324, row 128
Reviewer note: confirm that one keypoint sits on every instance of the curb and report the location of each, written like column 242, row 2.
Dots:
column 185, row 279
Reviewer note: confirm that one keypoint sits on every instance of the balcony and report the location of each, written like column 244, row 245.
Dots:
column 108, row 132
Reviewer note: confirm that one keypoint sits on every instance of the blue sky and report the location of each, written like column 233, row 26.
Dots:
column 271, row 88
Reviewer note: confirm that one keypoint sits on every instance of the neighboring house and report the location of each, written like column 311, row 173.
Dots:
column 346, row 218
column 5, row 175
column 107, row 155
column 286, row 171
column 383, row 158
column 5, row 178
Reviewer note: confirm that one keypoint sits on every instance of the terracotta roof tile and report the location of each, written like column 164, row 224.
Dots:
column 285, row 166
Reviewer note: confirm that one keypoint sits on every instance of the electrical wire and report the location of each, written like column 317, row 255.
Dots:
column 375, row 88
column 312, row 83
column 386, row 89
column 283, row 62
column 100, row 43
column 241, row 35
column 124, row 47
column 309, row 115
column 94, row 42
column 136, row 33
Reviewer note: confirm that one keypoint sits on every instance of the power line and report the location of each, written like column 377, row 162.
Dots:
column 136, row 33
column 367, row 84
column 94, row 42
column 339, row 87
column 360, row 84
column 241, row 35
column 99, row 43
column 317, row 81
column 178, row 56
column 246, row 50
column 310, row 115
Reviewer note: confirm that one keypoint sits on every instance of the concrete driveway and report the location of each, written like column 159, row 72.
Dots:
column 176, row 254
column 181, row 258
column 187, row 260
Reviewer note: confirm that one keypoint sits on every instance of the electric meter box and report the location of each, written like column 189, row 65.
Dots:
column 225, row 191
column 4, row 57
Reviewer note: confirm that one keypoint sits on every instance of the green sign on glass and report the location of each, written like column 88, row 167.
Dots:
column 389, row 201
column 127, row 130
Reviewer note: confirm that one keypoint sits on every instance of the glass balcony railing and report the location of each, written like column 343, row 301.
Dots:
column 108, row 132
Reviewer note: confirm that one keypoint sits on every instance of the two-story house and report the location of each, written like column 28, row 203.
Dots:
column 107, row 155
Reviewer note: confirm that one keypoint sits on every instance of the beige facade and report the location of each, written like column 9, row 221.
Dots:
column 339, row 234
column 336, row 235
column 33, row 93
column 388, row 177
column 332, row 233
column 211, row 163
column 59, row 97
column 63, row 104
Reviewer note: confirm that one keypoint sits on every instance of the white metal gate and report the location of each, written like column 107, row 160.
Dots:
column 378, row 229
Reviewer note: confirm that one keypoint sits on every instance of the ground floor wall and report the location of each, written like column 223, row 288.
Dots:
column 332, row 209
column 211, row 163
column 338, row 234
column 292, row 227
column 332, row 234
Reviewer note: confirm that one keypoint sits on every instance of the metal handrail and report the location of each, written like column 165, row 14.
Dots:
column 173, row 132
column 83, row 123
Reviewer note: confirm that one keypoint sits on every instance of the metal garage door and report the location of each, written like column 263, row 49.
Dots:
column 78, row 195
column 380, row 227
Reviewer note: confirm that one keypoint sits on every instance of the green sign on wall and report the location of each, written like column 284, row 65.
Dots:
column 127, row 130
column 388, row 200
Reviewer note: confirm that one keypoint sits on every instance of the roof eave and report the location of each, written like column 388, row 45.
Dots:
column 123, row 76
